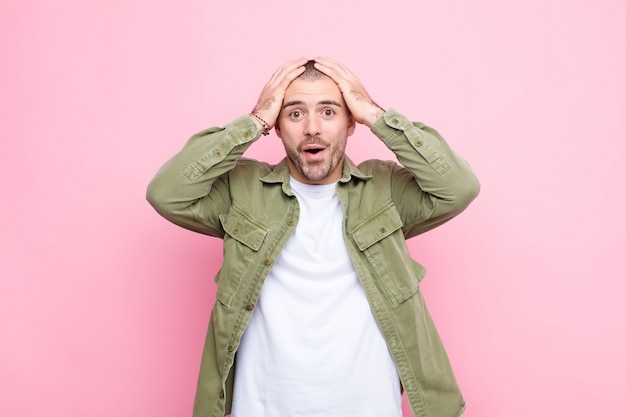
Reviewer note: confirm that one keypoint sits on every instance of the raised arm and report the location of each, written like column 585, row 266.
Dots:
column 434, row 184
column 191, row 189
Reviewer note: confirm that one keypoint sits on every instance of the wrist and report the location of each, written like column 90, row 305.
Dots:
column 261, row 124
column 374, row 114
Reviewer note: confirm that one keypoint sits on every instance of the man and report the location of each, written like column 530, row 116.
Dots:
column 318, row 309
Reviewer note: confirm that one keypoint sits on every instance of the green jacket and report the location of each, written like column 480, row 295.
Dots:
column 209, row 188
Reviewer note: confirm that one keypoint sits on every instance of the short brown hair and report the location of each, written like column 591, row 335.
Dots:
column 311, row 73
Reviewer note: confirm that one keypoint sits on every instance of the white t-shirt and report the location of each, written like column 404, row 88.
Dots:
column 312, row 347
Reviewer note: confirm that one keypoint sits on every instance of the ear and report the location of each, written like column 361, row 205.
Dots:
column 351, row 126
column 277, row 129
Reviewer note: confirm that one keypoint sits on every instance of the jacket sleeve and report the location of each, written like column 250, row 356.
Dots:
column 434, row 184
column 191, row 189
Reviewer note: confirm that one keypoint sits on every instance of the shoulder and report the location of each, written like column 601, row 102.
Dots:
column 247, row 171
column 249, row 165
column 378, row 167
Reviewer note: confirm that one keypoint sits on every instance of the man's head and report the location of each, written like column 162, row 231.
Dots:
column 314, row 124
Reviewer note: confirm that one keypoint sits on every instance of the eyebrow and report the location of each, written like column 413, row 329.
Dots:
column 323, row 103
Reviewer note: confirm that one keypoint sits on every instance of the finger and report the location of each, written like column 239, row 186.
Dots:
column 292, row 75
column 334, row 65
column 269, row 102
column 328, row 61
column 281, row 78
column 287, row 68
column 336, row 70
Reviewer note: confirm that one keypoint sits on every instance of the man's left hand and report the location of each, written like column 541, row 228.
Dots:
column 364, row 110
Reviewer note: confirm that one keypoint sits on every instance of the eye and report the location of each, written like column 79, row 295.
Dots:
column 296, row 114
column 328, row 112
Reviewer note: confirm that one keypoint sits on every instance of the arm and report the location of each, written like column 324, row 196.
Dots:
column 195, row 177
column 434, row 184
column 191, row 189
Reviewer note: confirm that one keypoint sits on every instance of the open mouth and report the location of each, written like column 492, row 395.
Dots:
column 313, row 149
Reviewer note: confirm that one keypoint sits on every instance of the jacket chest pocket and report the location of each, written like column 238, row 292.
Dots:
column 381, row 240
column 243, row 238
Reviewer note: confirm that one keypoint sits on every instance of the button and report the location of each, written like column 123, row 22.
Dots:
column 383, row 229
column 230, row 348
column 217, row 153
column 267, row 262
column 290, row 222
column 221, row 393
column 236, row 231
column 394, row 121
column 247, row 134
column 249, row 307
column 418, row 144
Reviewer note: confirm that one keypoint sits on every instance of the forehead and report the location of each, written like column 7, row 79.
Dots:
column 313, row 92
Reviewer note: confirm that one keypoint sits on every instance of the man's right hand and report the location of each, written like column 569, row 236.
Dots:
column 271, row 99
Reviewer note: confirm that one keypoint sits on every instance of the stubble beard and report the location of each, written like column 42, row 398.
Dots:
column 317, row 170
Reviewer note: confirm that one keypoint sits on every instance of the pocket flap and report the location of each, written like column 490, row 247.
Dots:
column 243, row 228
column 385, row 222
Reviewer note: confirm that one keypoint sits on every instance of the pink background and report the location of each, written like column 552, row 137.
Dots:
column 104, row 305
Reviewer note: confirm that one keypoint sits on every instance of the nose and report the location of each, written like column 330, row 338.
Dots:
column 312, row 126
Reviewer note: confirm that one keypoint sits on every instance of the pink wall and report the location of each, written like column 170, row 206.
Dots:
column 104, row 305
